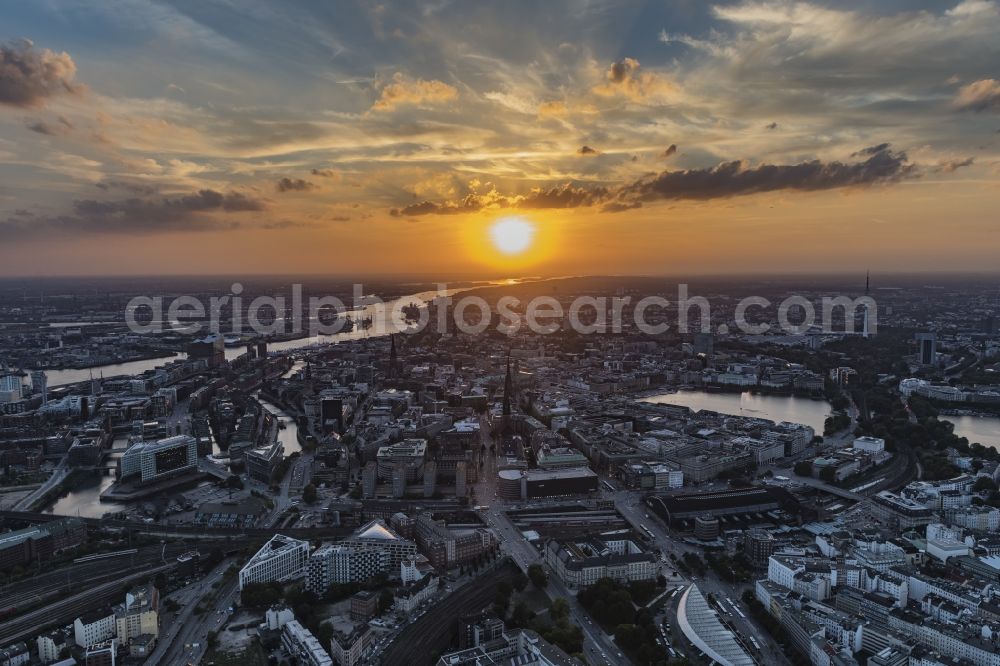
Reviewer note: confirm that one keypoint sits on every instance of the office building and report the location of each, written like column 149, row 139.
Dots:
column 261, row 463
column 409, row 453
column 146, row 462
column 280, row 559
column 583, row 562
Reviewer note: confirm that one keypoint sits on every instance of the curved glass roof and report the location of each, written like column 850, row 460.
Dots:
column 701, row 625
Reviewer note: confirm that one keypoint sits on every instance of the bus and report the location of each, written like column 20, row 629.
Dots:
column 648, row 531
column 608, row 486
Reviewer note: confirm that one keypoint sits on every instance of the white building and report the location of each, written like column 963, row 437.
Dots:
column 869, row 444
column 581, row 563
column 93, row 629
column 150, row 461
column 280, row 559
column 299, row 642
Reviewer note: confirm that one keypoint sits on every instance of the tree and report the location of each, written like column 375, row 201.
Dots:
column 984, row 484
column 828, row 474
column 803, row 468
column 309, row 494
column 385, row 600
column 233, row 482
column 559, row 610
column 538, row 576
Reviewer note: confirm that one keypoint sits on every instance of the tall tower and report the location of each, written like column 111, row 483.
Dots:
column 508, row 389
column 393, row 360
column 866, row 314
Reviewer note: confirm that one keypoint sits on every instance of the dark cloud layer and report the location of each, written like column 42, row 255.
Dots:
column 142, row 215
column 294, row 185
column 671, row 149
column 881, row 165
column 29, row 76
column 736, row 178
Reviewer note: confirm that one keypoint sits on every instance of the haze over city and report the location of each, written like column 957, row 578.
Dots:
column 628, row 137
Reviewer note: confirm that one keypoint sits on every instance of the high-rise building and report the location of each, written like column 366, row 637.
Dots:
column 461, row 473
column 399, row 480
column 10, row 389
column 926, row 348
column 369, row 480
column 430, row 479
column 704, row 343
column 211, row 349
column 40, row 384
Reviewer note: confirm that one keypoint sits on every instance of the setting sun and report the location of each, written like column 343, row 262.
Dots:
column 512, row 235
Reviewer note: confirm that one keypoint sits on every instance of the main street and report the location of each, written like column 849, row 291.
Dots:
column 187, row 636
column 597, row 646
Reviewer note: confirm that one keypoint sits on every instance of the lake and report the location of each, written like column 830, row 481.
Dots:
column 774, row 407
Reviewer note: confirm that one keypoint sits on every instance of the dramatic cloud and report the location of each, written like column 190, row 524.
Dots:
column 29, row 76
column 404, row 92
column 671, row 149
column 737, row 178
column 294, row 185
column 587, row 150
column 627, row 78
column 981, row 95
column 729, row 179
column 138, row 215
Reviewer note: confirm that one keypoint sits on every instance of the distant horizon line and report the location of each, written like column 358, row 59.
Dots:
column 431, row 278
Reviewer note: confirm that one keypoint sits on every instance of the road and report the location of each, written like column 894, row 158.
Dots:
column 598, row 646
column 176, row 644
column 58, row 475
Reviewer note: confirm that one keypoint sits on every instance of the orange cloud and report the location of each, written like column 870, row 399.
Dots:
column 403, row 91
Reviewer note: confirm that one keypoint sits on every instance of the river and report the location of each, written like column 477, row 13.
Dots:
column 383, row 323
column 774, row 407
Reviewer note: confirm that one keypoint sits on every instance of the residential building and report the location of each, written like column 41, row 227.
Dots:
column 280, row 559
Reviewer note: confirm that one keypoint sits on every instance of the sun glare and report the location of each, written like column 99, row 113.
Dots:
column 512, row 235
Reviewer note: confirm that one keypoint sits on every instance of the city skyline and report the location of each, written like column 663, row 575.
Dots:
column 627, row 137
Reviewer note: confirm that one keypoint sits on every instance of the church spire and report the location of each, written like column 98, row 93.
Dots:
column 508, row 388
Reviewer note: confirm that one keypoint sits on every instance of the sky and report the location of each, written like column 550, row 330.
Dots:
column 630, row 137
